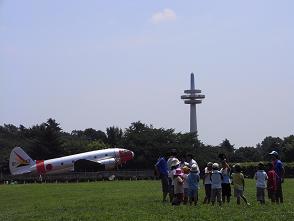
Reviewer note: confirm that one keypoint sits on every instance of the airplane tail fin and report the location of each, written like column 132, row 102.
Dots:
column 20, row 162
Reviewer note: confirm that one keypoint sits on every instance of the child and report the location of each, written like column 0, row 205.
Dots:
column 239, row 184
column 216, row 184
column 226, row 184
column 193, row 180
column 186, row 171
column 207, row 182
column 178, row 187
column 271, row 183
column 174, row 164
column 261, row 178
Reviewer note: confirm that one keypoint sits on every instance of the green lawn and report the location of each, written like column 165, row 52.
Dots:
column 127, row 200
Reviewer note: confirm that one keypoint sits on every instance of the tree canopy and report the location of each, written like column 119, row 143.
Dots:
column 48, row 140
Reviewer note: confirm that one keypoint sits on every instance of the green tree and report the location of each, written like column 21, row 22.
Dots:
column 114, row 136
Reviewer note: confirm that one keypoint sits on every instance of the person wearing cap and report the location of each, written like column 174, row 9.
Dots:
column 216, row 184
column 161, row 169
column 178, row 187
column 261, row 179
column 175, row 163
column 280, row 171
column 207, row 182
column 193, row 180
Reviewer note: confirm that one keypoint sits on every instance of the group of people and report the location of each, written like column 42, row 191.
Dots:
column 181, row 180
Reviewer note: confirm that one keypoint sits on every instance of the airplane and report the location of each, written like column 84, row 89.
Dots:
column 93, row 161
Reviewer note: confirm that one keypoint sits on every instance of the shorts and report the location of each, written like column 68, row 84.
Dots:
column 216, row 193
column 260, row 194
column 164, row 183
column 226, row 189
column 238, row 192
column 193, row 194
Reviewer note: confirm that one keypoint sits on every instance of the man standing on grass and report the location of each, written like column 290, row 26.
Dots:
column 162, row 172
column 191, row 161
column 280, row 172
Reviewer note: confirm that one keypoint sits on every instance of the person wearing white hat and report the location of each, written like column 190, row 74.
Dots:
column 178, row 187
column 216, row 178
column 193, row 181
column 280, row 171
column 172, row 164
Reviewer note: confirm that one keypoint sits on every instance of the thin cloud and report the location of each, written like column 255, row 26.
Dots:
column 166, row 15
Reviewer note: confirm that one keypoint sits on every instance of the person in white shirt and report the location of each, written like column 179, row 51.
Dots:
column 178, row 187
column 261, row 180
column 207, row 183
column 191, row 161
column 216, row 184
column 186, row 171
column 172, row 164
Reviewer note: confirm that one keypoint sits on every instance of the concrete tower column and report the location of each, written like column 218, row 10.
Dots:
column 194, row 97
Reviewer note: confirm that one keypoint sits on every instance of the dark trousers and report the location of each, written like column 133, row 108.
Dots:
column 279, row 192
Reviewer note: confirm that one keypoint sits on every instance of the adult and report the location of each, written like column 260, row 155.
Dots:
column 183, row 162
column 207, row 182
column 280, row 172
column 191, row 161
column 162, row 172
column 226, row 182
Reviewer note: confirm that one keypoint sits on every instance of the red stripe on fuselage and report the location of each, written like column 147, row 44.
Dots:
column 40, row 166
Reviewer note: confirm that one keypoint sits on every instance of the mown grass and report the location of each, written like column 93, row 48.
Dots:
column 126, row 200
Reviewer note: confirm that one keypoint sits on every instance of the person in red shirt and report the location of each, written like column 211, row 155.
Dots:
column 272, row 183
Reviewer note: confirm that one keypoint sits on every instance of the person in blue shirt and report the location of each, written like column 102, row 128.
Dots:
column 280, row 172
column 162, row 172
column 193, row 180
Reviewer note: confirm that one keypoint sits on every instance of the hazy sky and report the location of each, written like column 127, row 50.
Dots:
column 103, row 63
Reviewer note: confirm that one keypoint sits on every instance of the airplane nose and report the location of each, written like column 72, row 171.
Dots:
column 126, row 155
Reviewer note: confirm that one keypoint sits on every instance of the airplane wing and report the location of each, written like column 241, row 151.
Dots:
column 88, row 166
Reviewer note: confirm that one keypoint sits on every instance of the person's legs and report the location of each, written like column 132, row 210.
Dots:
column 259, row 194
column 279, row 193
column 196, row 197
column 219, row 196
column 164, row 183
column 171, row 190
column 213, row 196
column 238, row 200
column 263, row 195
column 208, row 193
column 186, row 195
column 244, row 198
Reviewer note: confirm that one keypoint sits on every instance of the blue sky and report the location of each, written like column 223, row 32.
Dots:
column 103, row 63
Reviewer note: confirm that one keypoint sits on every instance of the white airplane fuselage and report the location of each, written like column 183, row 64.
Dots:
column 21, row 163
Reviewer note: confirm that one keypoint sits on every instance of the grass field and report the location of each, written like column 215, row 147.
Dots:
column 127, row 200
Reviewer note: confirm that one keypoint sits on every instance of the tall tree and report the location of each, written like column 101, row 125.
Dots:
column 114, row 136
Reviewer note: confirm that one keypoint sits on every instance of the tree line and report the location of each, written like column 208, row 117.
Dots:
column 47, row 140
